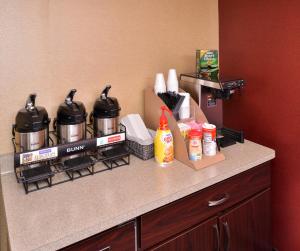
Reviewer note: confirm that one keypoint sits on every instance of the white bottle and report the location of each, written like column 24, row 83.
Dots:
column 184, row 111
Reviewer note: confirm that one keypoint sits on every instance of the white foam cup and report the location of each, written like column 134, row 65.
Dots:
column 160, row 85
column 172, row 82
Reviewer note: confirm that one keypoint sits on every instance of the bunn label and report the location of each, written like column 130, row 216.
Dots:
column 75, row 149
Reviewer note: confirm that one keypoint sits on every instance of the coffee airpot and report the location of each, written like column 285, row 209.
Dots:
column 105, row 115
column 31, row 128
column 70, row 122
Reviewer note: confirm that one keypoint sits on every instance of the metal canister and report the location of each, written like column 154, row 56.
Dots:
column 31, row 130
column 105, row 115
column 70, row 123
column 209, row 132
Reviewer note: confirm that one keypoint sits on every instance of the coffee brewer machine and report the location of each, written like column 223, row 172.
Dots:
column 209, row 94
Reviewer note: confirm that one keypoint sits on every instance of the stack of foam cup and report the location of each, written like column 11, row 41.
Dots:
column 172, row 82
column 184, row 111
column 160, row 85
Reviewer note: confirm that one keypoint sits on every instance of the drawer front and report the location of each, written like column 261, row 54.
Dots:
column 175, row 217
column 116, row 239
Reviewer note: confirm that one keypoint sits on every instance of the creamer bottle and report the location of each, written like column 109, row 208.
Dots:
column 163, row 142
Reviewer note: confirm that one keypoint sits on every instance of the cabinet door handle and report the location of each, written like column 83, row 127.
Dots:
column 217, row 234
column 105, row 249
column 227, row 236
column 213, row 203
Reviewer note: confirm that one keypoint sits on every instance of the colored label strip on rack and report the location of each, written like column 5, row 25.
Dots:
column 111, row 139
column 39, row 155
column 68, row 149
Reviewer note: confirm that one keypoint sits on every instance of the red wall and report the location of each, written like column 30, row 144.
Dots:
column 260, row 41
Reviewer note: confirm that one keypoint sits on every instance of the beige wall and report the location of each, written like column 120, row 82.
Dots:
column 50, row 46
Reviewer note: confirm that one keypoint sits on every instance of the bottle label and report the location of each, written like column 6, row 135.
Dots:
column 163, row 147
column 210, row 148
column 195, row 142
column 167, row 138
column 195, row 149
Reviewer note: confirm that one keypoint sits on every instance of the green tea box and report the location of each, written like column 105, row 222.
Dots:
column 207, row 60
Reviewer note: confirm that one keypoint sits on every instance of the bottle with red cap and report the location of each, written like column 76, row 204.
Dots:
column 195, row 145
column 209, row 139
column 163, row 142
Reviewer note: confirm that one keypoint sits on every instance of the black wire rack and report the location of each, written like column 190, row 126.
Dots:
column 60, row 163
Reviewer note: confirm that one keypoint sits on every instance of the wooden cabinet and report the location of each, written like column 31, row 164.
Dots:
column 170, row 220
column 246, row 227
column 240, row 204
column 116, row 239
column 233, row 215
column 243, row 228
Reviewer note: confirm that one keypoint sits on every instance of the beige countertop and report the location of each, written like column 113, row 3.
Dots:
column 55, row 217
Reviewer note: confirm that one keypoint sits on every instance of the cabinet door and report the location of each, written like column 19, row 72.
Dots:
column 116, row 239
column 204, row 237
column 174, row 218
column 247, row 227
